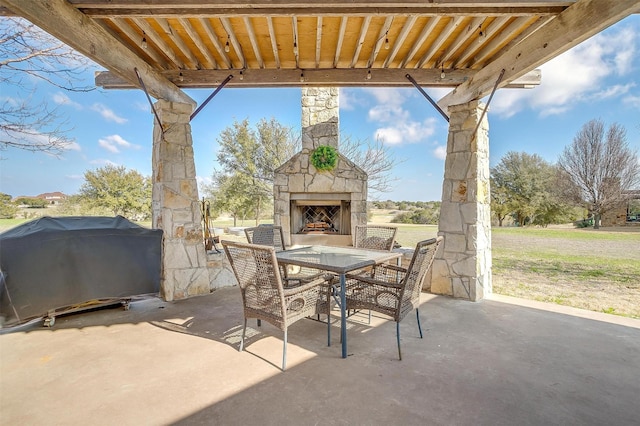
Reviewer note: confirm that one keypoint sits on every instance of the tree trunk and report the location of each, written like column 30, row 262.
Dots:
column 596, row 221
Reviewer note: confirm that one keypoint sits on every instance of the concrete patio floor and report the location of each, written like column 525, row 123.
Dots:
column 501, row 361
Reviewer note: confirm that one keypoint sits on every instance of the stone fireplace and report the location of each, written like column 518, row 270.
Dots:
column 319, row 207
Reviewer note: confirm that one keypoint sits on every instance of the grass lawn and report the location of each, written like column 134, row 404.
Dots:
column 585, row 268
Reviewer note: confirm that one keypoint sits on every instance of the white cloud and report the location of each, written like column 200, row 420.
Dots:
column 440, row 152
column 396, row 124
column 348, row 100
column 75, row 177
column 632, row 100
column 108, row 114
column 113, row 143
column 103, row 161
column 577, row 75
column 62, row 99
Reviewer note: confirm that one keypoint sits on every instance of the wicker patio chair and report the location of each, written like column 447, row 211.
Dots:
column 375, row 237
column 272, row 236
column 391, row 289
column 266, row 235
column 263, row 294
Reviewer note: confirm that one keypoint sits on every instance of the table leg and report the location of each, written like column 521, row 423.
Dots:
column 343, row 314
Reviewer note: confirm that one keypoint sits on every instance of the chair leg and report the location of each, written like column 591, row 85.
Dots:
column 398, row 337
column 284, row 351
column 244, row 329
column 418, row 318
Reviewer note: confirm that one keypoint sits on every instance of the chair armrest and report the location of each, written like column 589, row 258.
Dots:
column 292, row 291
column 373, row 281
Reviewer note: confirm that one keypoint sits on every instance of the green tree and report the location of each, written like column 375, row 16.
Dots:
column 8, row 209
column 599, row 168
column 523, row 184
column 31, row 202
column 118, row 191
column 248, row 158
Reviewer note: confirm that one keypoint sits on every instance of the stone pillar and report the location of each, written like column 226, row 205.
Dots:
column 320, row 117
column 175, row 206
column 462, row 267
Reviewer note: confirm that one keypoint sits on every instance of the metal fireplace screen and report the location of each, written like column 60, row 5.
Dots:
column 320, row 219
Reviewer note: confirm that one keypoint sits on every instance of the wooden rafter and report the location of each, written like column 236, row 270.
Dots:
column 69, row 25
column 582, row 20
column 274, row 42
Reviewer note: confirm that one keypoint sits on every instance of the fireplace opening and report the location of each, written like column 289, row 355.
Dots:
column 320, row 220
column 321, row 216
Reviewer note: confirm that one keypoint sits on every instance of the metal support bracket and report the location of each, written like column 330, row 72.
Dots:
column 421, row 90
column 144, row 88
column 215, row 92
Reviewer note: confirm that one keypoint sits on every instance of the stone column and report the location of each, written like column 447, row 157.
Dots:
column 320, row 117
column 175, row 206
column 462, row 267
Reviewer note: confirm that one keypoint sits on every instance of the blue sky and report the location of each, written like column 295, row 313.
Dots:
column 599, row 79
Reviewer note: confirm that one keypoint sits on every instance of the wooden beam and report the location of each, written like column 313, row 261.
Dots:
column 195, row 8
column 151, row 35
column 343, row 27
column 420, row 41
column 398, row 42
column 363, row 35
column 256, row 78
column 63, row 21
column 274, row 42
column 577, row 23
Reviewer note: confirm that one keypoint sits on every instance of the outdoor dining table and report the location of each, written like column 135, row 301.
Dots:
column 339, row 260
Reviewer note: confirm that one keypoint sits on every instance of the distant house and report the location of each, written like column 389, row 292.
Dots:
column 625, row 214
column 52, row 197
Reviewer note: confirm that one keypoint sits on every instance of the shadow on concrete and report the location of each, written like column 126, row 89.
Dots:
column 493, row 362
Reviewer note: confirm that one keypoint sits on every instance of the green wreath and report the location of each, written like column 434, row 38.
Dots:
column 324, row 157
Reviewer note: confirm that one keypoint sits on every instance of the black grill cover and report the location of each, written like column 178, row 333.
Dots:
column 62, row 262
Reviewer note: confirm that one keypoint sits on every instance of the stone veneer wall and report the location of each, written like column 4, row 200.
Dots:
column 320, row 126
column 176, row 209
column 462, row 267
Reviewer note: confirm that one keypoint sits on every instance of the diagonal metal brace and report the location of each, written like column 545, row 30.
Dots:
column 486, row 107
column 144, row 88
column 421, row 90
column 215, row 92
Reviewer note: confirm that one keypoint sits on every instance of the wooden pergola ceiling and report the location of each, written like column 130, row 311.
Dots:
column 198, row 43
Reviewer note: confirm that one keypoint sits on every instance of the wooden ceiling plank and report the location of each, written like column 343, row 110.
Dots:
column 274, row 41
column 343, row 28
column 399, row 41
column 213, row 38
column 488, row 51
column 363, row 35
column 472, row 29
column 382, row 36
column 442, row 37
column 318, row 41
column 193, row 34
column 180, row 44
column 344, row 77
column 155, row 38
column 134, row 36
column 233, row 40
column 578, row 22
column 253, row 40
column 420, row 40
column 63, row 21
column 492, row 28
